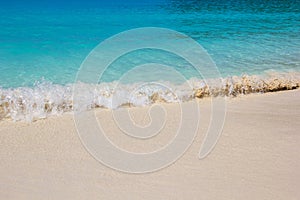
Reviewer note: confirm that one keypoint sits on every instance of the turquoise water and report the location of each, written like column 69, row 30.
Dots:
column 48, row 40
column 255, row 45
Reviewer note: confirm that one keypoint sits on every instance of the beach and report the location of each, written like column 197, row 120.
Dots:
column 256, row 157
column 160, row 99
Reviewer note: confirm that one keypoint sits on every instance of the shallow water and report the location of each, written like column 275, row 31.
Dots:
column 50, row 39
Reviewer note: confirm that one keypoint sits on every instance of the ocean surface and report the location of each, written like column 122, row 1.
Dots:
column 43, row 43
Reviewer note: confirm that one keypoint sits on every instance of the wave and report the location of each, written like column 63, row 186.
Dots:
column 47, row 99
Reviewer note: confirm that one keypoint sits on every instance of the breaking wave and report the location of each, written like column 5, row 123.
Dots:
column 47, row 99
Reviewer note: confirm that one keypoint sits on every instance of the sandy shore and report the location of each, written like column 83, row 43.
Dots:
column 256, row 157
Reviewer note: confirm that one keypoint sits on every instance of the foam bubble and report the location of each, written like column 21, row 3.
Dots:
column 46, row 99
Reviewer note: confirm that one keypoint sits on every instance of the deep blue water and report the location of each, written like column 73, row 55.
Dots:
column 50, row 39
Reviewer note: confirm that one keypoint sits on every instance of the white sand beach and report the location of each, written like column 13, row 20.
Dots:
column 256, row 157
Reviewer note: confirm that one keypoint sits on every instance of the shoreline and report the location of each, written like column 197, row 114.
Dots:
column 202, row 99
column 47, row 99
column 256, row 157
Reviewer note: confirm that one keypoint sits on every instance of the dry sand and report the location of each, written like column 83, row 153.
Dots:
column 256, row 157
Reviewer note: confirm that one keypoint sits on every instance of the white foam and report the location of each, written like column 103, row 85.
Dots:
column 46, row 99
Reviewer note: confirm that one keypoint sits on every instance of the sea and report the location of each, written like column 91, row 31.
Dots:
column 254, row 44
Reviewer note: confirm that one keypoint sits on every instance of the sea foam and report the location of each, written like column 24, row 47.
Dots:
column 47, row 99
